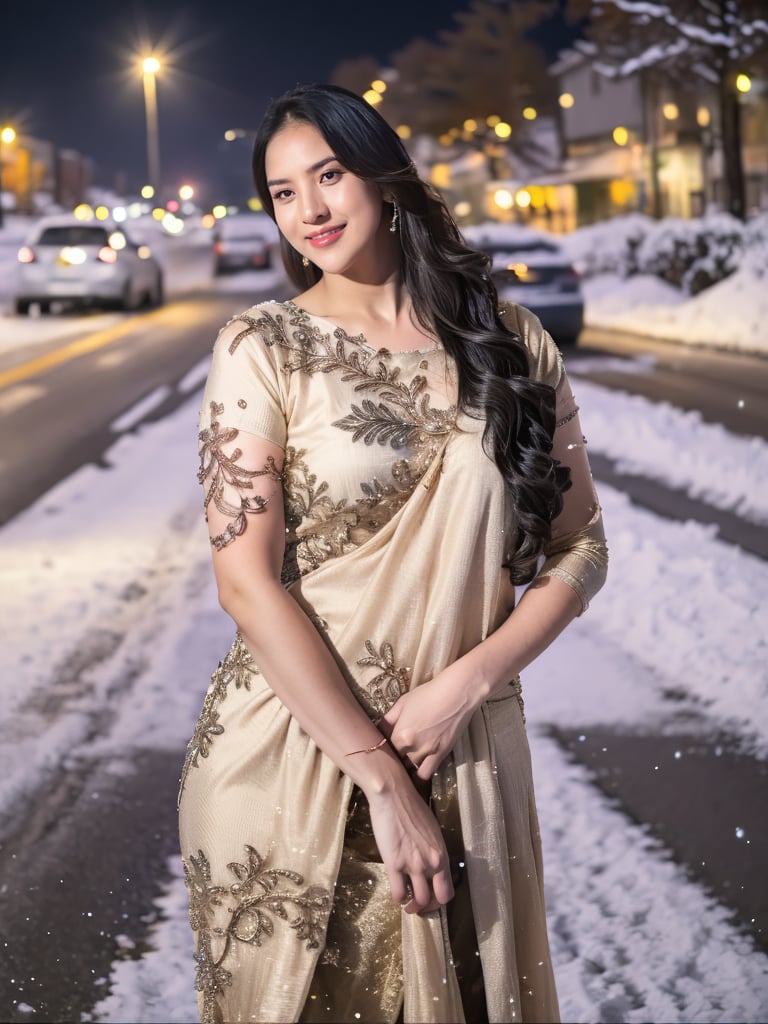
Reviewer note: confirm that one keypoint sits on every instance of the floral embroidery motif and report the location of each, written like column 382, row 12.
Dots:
column 224, row 471
column 313, row 350
column 385, row 689
column 239, row 668
column 319, row 526
column 254, row 901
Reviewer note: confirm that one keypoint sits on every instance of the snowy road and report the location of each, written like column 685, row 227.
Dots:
column 112, row 625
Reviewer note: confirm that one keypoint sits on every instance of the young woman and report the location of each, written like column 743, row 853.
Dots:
column 383, row 459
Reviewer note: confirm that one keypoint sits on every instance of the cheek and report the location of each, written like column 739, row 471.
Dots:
column 283, row 220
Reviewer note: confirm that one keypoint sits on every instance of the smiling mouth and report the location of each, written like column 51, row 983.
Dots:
column 323, row 238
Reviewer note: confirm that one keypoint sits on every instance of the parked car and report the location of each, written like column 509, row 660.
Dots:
column 243, row 241
column 531, row 269
column 91, row 263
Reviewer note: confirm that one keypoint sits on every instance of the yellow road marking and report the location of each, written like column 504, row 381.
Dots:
column 94, row 341
column 62, row 355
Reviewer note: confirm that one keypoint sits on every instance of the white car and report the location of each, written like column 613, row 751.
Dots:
column 243, row 241
column 93, row 263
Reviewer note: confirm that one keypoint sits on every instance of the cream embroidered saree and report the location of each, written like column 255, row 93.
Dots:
column 396, row 529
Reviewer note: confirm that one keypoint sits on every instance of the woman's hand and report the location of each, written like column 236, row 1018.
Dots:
column 424, row 724
column 412, row 848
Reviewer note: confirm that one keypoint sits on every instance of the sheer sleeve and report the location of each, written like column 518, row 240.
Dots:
column 243, row 406
column 577, row 552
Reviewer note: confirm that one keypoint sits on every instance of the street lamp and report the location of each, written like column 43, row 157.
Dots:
column 7, row 135
column 150, row 67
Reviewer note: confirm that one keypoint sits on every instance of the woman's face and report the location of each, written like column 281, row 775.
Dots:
column 324, row 211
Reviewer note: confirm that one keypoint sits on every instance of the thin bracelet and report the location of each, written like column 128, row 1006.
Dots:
column 369, row 750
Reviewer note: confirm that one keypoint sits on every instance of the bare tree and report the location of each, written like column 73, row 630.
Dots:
column 485, row 66
column 712, row 40
column 356, row 74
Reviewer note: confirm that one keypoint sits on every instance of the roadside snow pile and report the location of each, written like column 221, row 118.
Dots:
column 732, row 314
column 639, row 274
column 689, row 254
column 661, row 442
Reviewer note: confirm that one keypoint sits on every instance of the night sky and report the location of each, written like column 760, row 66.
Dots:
column 68, row 70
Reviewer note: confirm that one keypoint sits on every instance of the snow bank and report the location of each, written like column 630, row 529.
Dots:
column 675, row 446
column 620, row 258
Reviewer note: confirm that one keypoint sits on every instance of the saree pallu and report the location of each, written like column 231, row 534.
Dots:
column 289, row 902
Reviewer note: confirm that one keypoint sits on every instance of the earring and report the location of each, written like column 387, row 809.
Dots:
column 305, row 261
column 395, row 214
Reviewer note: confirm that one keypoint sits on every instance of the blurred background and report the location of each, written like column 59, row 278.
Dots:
column 611, row 158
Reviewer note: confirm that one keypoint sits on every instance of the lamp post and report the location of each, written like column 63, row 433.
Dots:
column 150, row 66
column 7, row 135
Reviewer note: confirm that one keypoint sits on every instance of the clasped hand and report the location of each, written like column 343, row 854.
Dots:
column 422, row 727
column 425, row 723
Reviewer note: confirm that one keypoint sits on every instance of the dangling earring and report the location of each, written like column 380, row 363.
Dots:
column 305, row 261
column 395, row 214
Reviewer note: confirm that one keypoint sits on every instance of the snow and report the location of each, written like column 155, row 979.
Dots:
column 114, row 562
column 676, row 447
column 107, row 593
column 731, row 314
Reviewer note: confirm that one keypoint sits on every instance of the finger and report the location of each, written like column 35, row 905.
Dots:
column 400, row 888
column 422, row 895
column 442, row 886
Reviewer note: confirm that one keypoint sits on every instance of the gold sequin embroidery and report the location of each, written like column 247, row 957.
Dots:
column 385, row 689
column 567, row 418
column 239, row 668
column 403, row 416
column 223, row 471
column 253, row 903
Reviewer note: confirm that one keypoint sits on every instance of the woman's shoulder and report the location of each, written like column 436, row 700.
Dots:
column 264, row 324
column 543, row 354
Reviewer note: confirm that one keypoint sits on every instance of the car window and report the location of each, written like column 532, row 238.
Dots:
column 73, row 234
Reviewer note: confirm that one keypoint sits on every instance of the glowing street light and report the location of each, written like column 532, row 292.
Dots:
column 743, row 83
column 186, row 192
column 7, row 136
column 150, row 67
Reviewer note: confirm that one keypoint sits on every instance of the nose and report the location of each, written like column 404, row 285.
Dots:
column 315, row 207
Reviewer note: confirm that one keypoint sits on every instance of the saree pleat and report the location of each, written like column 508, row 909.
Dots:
column 291, row 907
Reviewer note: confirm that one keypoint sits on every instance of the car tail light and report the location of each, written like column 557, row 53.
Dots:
column 107, row 255
column 26, row 255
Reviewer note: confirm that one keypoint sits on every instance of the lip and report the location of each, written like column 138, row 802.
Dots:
column 326, row 236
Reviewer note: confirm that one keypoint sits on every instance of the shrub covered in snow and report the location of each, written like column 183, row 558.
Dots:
column 690, row 254
column 608, row 247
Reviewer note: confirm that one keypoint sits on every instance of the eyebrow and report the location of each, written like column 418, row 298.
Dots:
column 315, row 167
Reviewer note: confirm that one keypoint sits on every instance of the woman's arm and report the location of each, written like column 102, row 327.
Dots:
column 245, row 513
column 424, row 724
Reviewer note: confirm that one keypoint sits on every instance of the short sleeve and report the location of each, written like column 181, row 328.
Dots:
column 543, row 354
column 245, row 389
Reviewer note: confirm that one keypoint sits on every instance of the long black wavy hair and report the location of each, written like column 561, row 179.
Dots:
column 452, row 295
